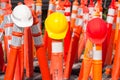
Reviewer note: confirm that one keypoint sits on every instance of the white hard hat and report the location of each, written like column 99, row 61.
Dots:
column 22, row 16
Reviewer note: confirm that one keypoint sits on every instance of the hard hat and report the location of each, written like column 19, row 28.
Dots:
column 96, row 30
column 22, row 16
column 56, row 25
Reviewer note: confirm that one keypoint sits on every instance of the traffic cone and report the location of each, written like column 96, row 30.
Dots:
column 17, row 73
column 74, row 14
column 81, row 45
column 60, row 6
column 91, row 9
column 82, row 40
column 110, row 19
column 14, row 51
column 57, row 60
column 28, row 52
column 100, row 28
column 8, row 29
column 109, row 40
column 67, row 39
column 97, row 62
column 48, row 40
column 40, row 49
column 74, row 42
column 2, row 65
column 116, row 66
column 87, row 62
column 39, row 11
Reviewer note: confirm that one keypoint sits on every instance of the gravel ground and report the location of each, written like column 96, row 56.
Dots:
column 74, row 74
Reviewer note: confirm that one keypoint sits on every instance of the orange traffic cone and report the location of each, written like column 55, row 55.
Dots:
column 110, row 19
column 8, row 29
column 2, row 65
column 39, row 11
column 57, row 60
column 110, row 36
column 67, row 39
column 48, row 40
column 74, row 14
column 14, row 51
column 74, row 42
column 28, row 52
column 97, row 62
column 40, row 49
column 87, row 62
column 116, row 65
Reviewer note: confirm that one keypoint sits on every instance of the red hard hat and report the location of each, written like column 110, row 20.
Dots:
column 96, row 30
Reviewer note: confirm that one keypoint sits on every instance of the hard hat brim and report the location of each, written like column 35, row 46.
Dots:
column 21, row 23
column 57, row 36
column 96, row 41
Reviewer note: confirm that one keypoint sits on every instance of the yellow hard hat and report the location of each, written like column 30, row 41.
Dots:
column 56, row 25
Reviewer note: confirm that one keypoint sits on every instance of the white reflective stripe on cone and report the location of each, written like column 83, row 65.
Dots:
column 73, row 15
column 57, row 47
column 79, row 22
column 1, row 36
column 38, row 40
column 51, row 7
column 110, row 19
column 17, row 29
column 67, row 9
column 111, row 12
column 3, row 4
column 80, row 11
column 35, row 29
column 74, row 7
column 97, row 54
column 38, row 8
column 68, row 18
column 16, row 41
column 9, row 43
column 8, row 31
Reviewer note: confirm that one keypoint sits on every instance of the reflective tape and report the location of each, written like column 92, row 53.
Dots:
column 16, row 41
column 3, row 4
column 68, row 18
column 51, row 7
column 91, row 10
column 1, row 36
column 73, row 15
column 38, row 40
column 118, row 20
column 61, row 11
column 67, row 9
column 118, row 6
column 8, row 31
column 114, row 26
column 97, row 54
column 111, row 12
column 17, row 29
column 33, row 6
column 22, row 42
column 79, row 22
column 1, row 12
column 57, row 47
column 86, row 17
column 9, row 20
column 9, row 43
column 80, row 11
column 73, row 34
column 110, row 19
column 35, row 29
column 38, row 8
column 74, row 7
